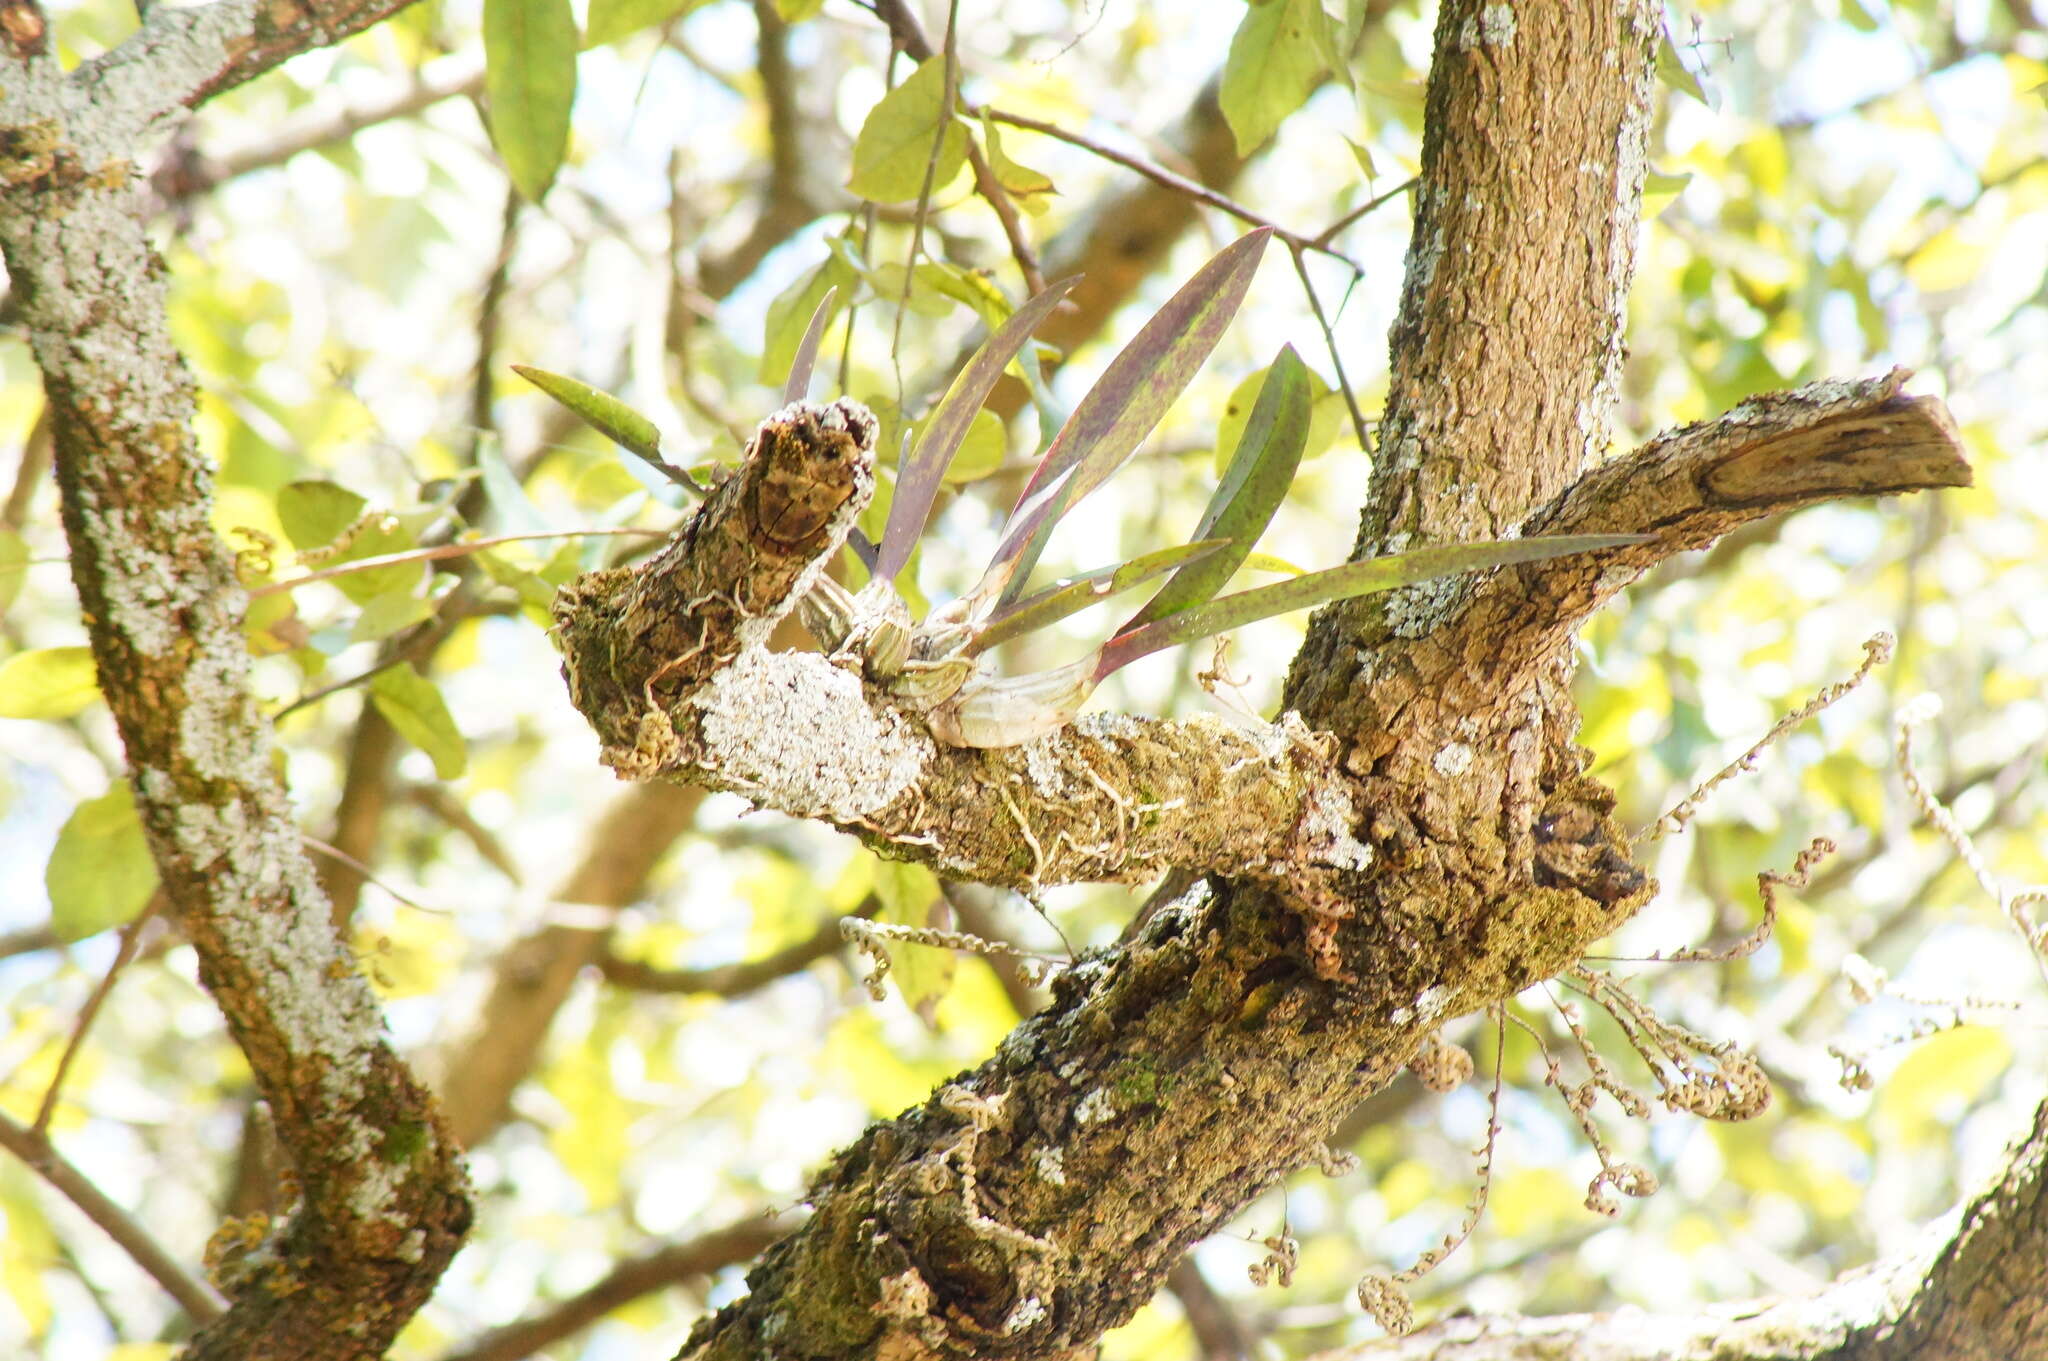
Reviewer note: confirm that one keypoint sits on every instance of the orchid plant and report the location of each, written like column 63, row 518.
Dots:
column 939, row 666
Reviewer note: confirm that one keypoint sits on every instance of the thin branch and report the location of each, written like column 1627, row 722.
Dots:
column 1160, row 175
column 626, row 1282
column 459, row 549
column 731, row 980
column 448, row 78
column 197, row 1298
column 130, row 934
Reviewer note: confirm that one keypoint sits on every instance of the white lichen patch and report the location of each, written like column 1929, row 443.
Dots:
column 1048, row 774
column 799, row 734
column 1419, row 610
column 1029, row 1310
column 1326, row 832
column 1452, row 760
column 1493, row 27
column 1095, row 1107
column 219, row 717
column 1052, row 1165
column 1431, row 1001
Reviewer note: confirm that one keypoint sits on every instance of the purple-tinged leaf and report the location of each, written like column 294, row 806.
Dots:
column 918, row 476
column 798, row 386
column 1339, row 583
column 1132, row 396
column 1260, row 472
column 1074, row 594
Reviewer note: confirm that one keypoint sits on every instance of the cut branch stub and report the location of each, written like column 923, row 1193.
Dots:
column 736, row 567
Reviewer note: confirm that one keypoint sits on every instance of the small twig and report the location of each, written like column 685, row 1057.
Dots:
column 1330, row 342
column 337, row 854
column 731, row 980
column 1329, row 233
column 437, row 800
column 130, row 934
column 36, row 1150
column 459, row 549
column 1160, row 175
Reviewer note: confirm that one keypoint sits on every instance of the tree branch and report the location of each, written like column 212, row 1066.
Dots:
column 626, row 1282
column 731, row 980
column 384, row 1198
column 35, row 1149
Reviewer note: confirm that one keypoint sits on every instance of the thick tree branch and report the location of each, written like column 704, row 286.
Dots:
column 384, row 1200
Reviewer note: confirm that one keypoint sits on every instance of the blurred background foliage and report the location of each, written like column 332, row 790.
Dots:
column 635, row 999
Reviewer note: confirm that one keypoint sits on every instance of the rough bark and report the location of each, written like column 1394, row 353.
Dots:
column 1976, row 1289
column 383, row 1199
column 1440, row 850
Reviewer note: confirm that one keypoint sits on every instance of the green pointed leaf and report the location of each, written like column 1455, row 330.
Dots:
column 895, row 144
column 918, row 478
column 1339, row 583
column 799, row 385
column 1275, row 61
column 924, row 974
column 599, row 410
column 1077, row 593
column 1325, row 419
column 1030, row 188
column 1672, row 70
column 50, row 682
column 414, row 706
column 100, row 873
column 789, row 315
column 1252, row 489
column 611, row 20
column 1131, row 397
column 530, row 82
column 315, row 513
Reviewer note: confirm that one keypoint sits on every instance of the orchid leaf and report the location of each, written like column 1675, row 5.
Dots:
column 919, row 475
column 799, row 385
column 1252, row 489
column 1123, row 407
column 1063, row 598
column 602, row 412
column 1338, row 583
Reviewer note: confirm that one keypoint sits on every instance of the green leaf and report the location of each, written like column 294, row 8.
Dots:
column 611, row 20
column 599, row 410
column 315, row 513
column 1339, row 583
column 13, row 567
column 981, row 452
column 1325, row 418
column 101, row 872
column 1076, row 593
column 895, row 143
column 1261, row 471
column 50, row 682
column 1274, row 63
column 910, row 897
column 388, row 613
column 414, row 706
column 530, row 82
column 790, row 314
column 1131, row 397
column 918, row 477
column 796, row 11
column 1030, row 188
column 1674, row 73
